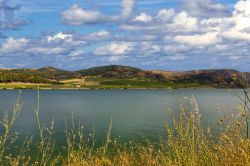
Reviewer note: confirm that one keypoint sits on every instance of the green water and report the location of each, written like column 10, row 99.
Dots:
column 135, row 114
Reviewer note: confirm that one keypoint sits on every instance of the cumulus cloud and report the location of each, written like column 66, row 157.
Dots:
column 59, row 36
column 242, row 8
column 12, row 45
column 198, row 40
column 52, row 45
column 234, row 35
column 98, row 36
column 76, row 15
column 117, row 51
column 127, row 8
column 121, row 48
column 165, row 15
column 166, row 21
column 143, row 17
column 64, row 39
column 200, row 31
column 184, row 22
column 205, row 8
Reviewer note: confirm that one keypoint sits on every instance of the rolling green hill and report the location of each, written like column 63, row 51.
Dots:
column 116, row 76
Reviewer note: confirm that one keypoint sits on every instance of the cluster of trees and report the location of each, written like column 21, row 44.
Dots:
column 8, row 77
column 218, row 78
column 121, row 72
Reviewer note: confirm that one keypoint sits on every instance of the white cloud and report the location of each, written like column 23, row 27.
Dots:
column 242, row 8
column 115, row 49
column 12, row 45
column 59, row 36
column 143, row 17
column 57, row 44
column 205, row 8
column 202, row 29
column 241, row 15
column 165, row 20
column 98, row 36
column 165, row 15
column 147, row 49
column 198, row 40
column 184, row 22
column 127, row 8
column 64, row 39
column 235, row 35
column 76, row 15
column 24, row 47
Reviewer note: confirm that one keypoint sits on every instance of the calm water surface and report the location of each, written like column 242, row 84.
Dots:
column 135, row 113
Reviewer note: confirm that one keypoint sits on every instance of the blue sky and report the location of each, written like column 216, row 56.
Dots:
column 150, row 34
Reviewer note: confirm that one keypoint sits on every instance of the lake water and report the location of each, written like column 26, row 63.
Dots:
column 135, row 113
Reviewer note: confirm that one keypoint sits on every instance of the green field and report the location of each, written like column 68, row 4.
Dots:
column 139, row 83
column 104, row 83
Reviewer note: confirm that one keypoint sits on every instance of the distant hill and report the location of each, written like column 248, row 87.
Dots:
column 44, row 75
column 50, row 75
column 116, row 71
column 55, row 73
column 9, row 76
column 113, row 71
column 216, row 78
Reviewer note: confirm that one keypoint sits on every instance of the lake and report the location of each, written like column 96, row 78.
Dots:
column 135, row 114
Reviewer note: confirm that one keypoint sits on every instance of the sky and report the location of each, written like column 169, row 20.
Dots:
column 150, row 34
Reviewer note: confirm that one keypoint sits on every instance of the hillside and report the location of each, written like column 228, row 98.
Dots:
column 215, row 78
column 116, row 76
column 116, row 71
column 50, row 73
column 9, row 76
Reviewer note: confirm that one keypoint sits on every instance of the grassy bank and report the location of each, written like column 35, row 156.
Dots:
column 187, row 143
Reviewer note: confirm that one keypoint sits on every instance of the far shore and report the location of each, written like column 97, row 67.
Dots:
column 32, row 86
column 96, row 88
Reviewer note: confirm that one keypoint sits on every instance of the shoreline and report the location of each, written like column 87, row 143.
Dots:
column 82, row 89
column 28, row 86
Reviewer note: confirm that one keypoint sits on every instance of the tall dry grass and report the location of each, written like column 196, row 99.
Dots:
column 187, row 143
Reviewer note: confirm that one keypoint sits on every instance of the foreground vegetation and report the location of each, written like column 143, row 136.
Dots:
column 187, row 143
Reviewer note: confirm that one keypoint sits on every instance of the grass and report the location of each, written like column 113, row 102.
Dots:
column 187, row 143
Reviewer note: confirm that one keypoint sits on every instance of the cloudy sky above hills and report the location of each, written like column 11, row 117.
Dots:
column 151, row 34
